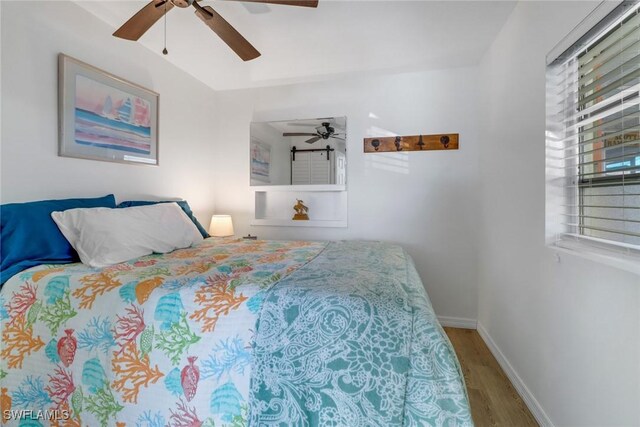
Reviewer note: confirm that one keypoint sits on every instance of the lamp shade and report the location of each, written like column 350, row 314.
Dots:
column 221, row 226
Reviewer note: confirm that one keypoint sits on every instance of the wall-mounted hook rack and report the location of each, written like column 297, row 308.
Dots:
column 447, row 141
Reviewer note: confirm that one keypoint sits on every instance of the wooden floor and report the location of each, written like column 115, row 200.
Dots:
column 494, row 401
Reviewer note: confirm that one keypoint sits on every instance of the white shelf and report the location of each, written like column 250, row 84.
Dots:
column 297, row 188
column 291, row 223
column 274, row 205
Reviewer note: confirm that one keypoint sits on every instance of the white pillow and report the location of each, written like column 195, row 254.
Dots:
column 104, row 236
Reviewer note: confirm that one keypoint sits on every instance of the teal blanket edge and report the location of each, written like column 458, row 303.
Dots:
column 351, row 339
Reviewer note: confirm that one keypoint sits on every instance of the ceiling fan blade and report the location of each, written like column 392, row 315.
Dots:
column 226, row 32
column 298, row 134
column 301, row 3
column 139, row 23
column 306, row 125
column 312, row 140
column 337, row 137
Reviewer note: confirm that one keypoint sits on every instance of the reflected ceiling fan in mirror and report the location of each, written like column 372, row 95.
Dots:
column 324, row 131
column 139, row 23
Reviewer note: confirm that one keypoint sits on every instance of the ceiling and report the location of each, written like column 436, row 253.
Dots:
column 304, row 44
column 308, row 125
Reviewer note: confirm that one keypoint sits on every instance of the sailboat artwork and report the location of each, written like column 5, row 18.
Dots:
column 107, row 117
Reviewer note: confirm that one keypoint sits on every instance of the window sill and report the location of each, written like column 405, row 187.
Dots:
column 599, row 255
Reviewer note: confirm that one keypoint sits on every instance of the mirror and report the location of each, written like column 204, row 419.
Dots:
column 299, row 152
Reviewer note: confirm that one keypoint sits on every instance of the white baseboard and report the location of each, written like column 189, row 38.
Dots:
column 526, row 395
column 457, row 322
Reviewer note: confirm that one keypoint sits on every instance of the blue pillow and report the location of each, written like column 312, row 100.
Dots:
column 29, row 237
column 182, row 203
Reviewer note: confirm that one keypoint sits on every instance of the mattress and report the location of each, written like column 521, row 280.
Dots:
column 229, row 333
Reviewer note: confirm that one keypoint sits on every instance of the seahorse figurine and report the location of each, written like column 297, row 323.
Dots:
column 189, row 377
column 5, row 405
column 67, row 346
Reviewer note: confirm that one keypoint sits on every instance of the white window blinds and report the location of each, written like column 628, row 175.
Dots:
column 593, row 137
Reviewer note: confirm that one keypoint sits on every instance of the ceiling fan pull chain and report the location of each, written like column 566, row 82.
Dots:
column 165, row 51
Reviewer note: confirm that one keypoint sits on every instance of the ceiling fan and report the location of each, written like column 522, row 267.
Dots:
column 325, row 131
column 139, row 23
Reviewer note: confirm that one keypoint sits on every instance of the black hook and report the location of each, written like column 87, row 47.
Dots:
column 444, row 140
column 398, row 143
column 376, row 144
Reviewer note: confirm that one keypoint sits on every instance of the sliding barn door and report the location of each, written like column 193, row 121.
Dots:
column 311, row 168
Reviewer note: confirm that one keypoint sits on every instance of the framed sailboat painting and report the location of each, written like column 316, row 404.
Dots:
column 104, row 117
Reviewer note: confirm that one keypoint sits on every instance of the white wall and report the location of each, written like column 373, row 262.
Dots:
column 425, row 201
column 570, row 329
column 33, row 33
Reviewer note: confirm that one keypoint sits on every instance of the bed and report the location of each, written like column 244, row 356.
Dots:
column 229, row 333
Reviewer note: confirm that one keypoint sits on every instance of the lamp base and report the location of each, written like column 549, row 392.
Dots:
column 301, row 217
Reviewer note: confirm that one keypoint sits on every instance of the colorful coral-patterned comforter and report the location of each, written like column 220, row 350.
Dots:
column 229, row 333
column 161, row 340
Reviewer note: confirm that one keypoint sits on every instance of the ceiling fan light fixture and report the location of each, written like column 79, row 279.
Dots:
column 325, row 130
column 182, row 3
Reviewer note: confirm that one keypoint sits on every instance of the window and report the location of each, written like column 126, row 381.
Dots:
column 593, row 137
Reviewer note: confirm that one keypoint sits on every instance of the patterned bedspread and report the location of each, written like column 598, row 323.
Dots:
column 161, row 340
column 229, row 333
column 351, row 339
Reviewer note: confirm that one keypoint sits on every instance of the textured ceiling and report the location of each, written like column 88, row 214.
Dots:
column 337, row 38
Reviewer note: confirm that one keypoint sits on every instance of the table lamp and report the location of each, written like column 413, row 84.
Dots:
column 221, row 226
